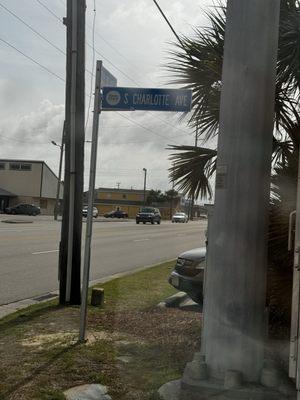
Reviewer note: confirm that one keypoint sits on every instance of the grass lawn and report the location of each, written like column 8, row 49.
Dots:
column 133, row 346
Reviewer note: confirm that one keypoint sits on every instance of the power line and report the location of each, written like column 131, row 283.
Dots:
column 168, row 22
column 49, row 10
column 62, row 79
column 23, row 141
column 33, row 60
column 32, row 29
column 118, row 52
column 38, row 33
column 117, row 68
column 136, row 83
column 145, row 128
column 112, row 64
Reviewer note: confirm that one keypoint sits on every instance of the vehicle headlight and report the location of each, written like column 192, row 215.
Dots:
column 187, row 263
column 200, row 265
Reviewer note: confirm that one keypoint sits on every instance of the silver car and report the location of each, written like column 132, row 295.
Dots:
column 188, row 274
column 180, row 217
column 85, row 211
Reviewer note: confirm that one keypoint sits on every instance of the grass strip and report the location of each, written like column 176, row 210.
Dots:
column 133, row 347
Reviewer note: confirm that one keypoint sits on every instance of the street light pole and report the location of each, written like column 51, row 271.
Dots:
column 191, row 208
column 61, row 146
column 145, row 182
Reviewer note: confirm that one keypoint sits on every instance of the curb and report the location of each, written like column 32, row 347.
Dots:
column 14, row 221
column 10, row 308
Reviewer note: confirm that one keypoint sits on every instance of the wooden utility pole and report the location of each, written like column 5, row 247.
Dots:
column 235, row 283
column 70, row 244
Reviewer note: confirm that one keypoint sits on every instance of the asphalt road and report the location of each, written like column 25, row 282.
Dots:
column 29, row 255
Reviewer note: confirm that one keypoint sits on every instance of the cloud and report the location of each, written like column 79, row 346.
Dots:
column 31, row 100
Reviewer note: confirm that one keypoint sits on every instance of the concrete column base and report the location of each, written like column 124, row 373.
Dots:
column 197, row 385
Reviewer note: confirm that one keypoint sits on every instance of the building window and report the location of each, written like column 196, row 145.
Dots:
column 14, row 166
column 20, row 166
column 26, row 167
column 2, row 165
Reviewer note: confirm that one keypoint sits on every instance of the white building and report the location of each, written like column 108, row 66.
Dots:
column 27, row 181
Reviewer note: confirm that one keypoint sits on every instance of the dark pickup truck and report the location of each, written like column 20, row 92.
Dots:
column 148, row 214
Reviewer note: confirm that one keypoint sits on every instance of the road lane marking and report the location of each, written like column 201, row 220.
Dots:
column 45, row 252
column 141, row 240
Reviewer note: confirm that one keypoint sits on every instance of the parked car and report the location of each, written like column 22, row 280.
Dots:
column 24, row 209
column 188, row 274
column 180, row 217
column 85, row 211
column 148, row 214
column 116, row 214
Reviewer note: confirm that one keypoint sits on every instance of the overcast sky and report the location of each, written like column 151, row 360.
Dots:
column 132, row 36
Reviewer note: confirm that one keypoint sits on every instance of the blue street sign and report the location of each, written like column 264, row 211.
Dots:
column 127, row 99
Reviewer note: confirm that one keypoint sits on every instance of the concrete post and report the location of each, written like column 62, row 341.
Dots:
column 235, row 289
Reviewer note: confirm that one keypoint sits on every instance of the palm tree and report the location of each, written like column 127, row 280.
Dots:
column 196, row 63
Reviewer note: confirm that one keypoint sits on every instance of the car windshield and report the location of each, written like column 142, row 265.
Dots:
column 147, row 210
column 180, row 215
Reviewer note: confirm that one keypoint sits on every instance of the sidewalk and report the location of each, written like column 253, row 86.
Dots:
column 50, row 218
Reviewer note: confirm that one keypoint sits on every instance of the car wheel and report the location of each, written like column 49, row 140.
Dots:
column 13, row 212
column 34, row 214
column 137, row 222
column 158, row 222
column 172, row 222
column 152, row 221
column 144, row 223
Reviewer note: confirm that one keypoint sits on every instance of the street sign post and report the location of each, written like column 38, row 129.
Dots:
column 130, row 99
column 114, row 99
column 89, row 220
column 107, row 79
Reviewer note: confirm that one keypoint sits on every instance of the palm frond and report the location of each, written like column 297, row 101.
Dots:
column 288, row 68
column 192, row 168
column 196, row 64
column 282, row 151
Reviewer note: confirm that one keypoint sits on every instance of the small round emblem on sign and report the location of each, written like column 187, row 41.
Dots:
column 113, row 98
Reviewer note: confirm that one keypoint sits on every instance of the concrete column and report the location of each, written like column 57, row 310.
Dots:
column 234, row 326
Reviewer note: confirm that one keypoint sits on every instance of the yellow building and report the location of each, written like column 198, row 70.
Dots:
column 128, row 200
